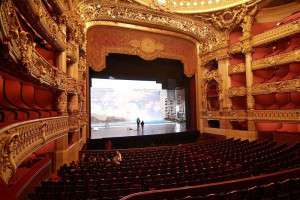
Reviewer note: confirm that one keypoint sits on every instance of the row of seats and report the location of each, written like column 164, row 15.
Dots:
column 288, row 189
column 20, row 101
column 95, row 177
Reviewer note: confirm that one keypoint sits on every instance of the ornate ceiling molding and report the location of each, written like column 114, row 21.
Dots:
column 92, row 10
column 229, row 18
column 191, row 7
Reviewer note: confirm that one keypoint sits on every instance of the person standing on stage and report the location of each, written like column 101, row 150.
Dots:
column 142, row 125
column 138, row 121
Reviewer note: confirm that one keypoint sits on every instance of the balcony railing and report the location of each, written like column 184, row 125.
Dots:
column 18, row 141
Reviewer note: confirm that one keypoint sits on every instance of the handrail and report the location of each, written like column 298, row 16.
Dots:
column 18, row 141
column 214, row 187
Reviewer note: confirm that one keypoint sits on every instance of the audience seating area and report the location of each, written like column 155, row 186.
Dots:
column 147, row 169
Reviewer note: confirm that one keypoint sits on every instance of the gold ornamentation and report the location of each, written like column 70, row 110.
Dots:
column 276, row 33
column 275, row 115
column 147, row 48
column 18, row 141
column 47, row 27
column 279, row 59
column 228, row 19
column 281, row 86
column 235, row 69
column 189, row 7
column 124, row 12
column 72, row 52
column 237, row 91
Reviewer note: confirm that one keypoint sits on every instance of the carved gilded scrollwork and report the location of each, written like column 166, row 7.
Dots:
column 284, row 58
column 47, row 27
column 72, row 52
column 213, row 74
column 276, row 33
column 275, row 115
column 18, row 141
column 281, row 86
column 147, row 48
column 237, row 91
column 123, row 12
column 228, row 19
column 235, row 69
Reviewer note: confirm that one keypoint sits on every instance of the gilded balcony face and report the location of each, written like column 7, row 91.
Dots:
column 45, row 25
column 20, row 140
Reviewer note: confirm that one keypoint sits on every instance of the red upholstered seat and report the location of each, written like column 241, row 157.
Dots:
column 290, row 19
column 293, row 44
column 238, row 79
column 239, row 103
column 261, row 52
column 268, row 126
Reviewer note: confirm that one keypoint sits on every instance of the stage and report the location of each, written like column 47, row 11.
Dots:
column 130, row 129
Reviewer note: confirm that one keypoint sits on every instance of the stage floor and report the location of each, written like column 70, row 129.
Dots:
column 132, row 130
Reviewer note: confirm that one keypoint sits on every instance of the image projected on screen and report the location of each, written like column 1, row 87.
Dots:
column 117, row 104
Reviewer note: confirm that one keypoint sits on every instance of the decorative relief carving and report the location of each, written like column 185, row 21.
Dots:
column 62, row 103
column 210, row 75
column 279, row 59
column 235, row 48
column 235, row 69
column 72, row 52
column 125, row 12
column 228, row 19
column 269, row 115
column 18, row 141
column 147, row 48
column 45, row 25
column 275, row 115
column 237, row 91
column 281, row 86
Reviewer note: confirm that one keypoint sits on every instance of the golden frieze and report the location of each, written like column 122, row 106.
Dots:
column 237, row 91
column 284, row 58
column 276, row 33
column 274, row 115
column 189, row 7
column 281, row 86
column 235, row 69
column 132, row 14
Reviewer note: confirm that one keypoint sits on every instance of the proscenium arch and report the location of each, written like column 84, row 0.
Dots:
column 189, row 69
column 127, row 12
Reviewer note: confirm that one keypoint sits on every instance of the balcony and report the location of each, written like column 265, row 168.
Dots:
column 20, row 140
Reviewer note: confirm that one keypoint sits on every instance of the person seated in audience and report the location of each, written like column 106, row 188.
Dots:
column 117, row 158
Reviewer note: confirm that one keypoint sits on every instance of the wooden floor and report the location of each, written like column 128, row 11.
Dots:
column 131, row 130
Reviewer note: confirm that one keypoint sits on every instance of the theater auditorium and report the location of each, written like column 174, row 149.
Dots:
column 216, row 84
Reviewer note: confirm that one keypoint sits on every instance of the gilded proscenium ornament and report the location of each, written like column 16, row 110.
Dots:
column 18, row 141
column 147, row 48
column 281, row 86
column 133, row 14
column 37, row 15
